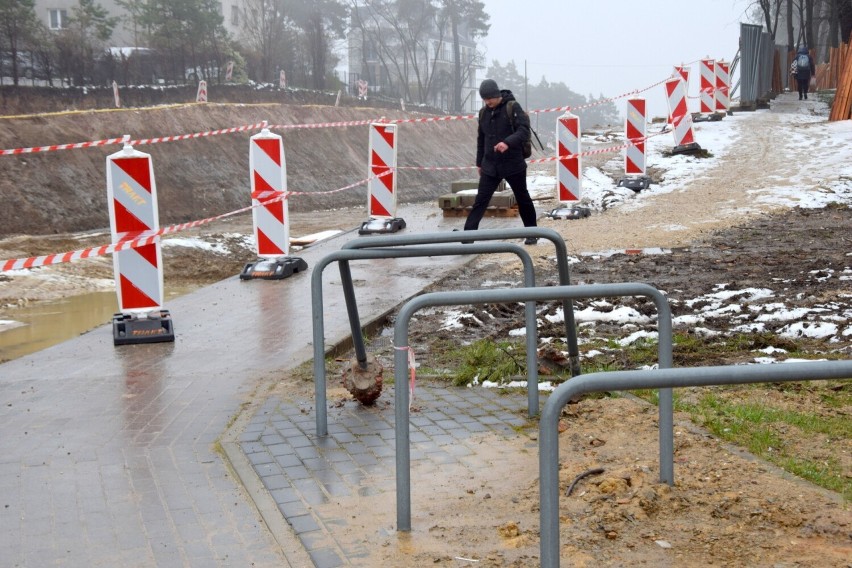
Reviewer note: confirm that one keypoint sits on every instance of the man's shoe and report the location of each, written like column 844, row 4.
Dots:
column 806, row 97
column 531, row 241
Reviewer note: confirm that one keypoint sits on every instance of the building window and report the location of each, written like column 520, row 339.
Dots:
column 235, row 15
column 58, row 19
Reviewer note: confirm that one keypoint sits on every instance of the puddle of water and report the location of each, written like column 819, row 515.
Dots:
column 49, row 323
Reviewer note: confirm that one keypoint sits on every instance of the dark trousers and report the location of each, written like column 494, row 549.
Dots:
column 487, row 187
column 803, row 83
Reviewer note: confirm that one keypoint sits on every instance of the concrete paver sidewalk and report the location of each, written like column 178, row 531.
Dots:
column 310, row 480
column 108, row 455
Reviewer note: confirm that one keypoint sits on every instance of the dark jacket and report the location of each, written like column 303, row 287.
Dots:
column 495, row 127
column 805, row 73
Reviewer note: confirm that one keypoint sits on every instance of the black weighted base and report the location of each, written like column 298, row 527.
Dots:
column 273, row 268
column 573, row 212
column 376, row 226
column 636, row 183
column 154, row 327
column 691, row 148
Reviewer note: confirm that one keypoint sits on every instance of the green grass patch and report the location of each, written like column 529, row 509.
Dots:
column 488, row 360
column 780, row 436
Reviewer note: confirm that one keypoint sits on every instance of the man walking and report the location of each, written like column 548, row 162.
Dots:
column 499, row 154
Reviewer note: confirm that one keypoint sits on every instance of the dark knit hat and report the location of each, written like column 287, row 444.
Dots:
column 489, row 89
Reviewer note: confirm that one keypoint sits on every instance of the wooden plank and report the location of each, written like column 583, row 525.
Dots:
column 842, row 107
column 490, row 212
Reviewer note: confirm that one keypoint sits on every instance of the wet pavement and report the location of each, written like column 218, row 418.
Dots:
column 314, row 481
column 116, row 456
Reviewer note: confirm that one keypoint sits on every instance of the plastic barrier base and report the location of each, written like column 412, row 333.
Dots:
column 714, row 117
column 154, row 327
column 573, row 212
column 636, row 183
column 273, row 268
column 374, row 226
column 691, row 148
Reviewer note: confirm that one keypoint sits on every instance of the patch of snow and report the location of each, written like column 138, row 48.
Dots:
column 193, row 242
column 636, row 336
column 814, row 330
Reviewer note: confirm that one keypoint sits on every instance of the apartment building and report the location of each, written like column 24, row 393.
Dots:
column 55, row 15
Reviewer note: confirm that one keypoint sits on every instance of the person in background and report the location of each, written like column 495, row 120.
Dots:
column 805, row 69
column 499, row 155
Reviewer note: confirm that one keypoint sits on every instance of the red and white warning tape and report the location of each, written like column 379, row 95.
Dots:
column 147, row 237
column 161, row 139
column 546, row 160
column 126, row 140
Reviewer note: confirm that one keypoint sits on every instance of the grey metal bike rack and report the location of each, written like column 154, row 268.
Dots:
column 629, row 380
column 458, row 236
column 401, row 396
column 344, row 256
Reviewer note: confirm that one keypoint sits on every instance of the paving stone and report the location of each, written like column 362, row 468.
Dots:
column 111, row 454
column 358, row 454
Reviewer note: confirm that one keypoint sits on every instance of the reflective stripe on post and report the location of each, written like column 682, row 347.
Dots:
column 269, row 181
column 381, row 201
column 681, row 119
column 201, row 93
column 132, row 196
column 708, row 86
column 568, row 166
column 723, row 86
column 682, row 71
column 635, row 127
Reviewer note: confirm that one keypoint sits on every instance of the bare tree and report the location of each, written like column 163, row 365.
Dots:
column 264, row 30
column 770, row 10
column 470, row 15
column 408, row 38
column 320, row 22
column 18, row 22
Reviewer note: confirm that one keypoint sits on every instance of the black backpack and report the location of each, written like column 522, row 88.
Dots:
column 526, row 149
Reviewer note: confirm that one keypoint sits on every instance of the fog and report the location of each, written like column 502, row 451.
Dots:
column 613, row 47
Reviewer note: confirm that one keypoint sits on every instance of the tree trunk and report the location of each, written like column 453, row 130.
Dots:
column 791, row 42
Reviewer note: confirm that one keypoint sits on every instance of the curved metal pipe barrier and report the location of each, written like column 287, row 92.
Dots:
column 630, row 380
column 480, row 235
column 401, row 396
column 344, row 256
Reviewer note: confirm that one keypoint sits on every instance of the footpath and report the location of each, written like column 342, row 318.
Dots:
column 169, row 454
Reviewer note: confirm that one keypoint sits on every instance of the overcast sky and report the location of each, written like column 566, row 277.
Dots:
column 612, row 46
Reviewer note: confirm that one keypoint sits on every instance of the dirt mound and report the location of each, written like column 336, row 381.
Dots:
column 64, row 191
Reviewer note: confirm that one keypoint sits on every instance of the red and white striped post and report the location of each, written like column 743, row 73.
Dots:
column 132, row 197
column 270, row 214
column 268, row 194
column 382, row 196
column 201, row 93
column 681, row 119
column 568, row 168
column 682, row 71
column 723, row 86
column 707, row 95
column 635, row 131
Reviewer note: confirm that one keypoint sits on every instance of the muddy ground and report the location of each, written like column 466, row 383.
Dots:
column 727, row 508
